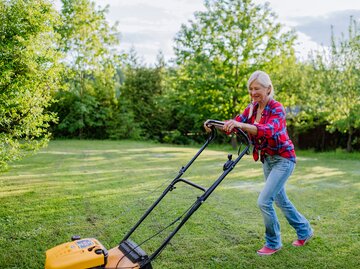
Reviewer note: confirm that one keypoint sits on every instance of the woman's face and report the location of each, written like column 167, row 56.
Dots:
column 258, row 92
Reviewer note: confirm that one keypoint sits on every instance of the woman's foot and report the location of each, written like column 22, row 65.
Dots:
column 265, row 251
column 300, row 243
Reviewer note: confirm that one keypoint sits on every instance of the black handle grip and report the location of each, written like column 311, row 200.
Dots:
column 220, row 124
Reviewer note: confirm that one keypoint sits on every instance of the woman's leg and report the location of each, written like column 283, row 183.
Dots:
column 276, row 170
column 295, row 219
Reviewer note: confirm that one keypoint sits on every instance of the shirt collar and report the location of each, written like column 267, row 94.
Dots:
column 267, row 107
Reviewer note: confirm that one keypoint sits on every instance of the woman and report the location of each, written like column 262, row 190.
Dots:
column 264, row 121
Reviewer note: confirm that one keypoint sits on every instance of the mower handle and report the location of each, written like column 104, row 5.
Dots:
column 219, row 124
column 228, row 166
column 215, row 123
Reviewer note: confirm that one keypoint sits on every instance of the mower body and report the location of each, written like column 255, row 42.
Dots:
column 78, row 254
column 89, row 253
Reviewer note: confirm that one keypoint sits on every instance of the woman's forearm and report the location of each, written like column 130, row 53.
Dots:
column 231, row 124
column 250, row 128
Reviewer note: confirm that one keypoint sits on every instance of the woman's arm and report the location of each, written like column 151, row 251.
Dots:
column 275, row 122
column 231, row 124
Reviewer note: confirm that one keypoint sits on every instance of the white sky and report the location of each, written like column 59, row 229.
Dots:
column 150, row 26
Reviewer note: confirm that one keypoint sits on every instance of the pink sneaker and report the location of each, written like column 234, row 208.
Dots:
column 265, row 251
column 300, row 243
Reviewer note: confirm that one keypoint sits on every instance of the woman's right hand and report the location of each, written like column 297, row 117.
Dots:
column 231, row 124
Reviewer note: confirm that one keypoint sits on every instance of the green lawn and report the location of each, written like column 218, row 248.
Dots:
column 100, row 188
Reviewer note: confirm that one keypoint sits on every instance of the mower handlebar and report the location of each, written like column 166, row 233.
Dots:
column 219, row 124
column 215, row 123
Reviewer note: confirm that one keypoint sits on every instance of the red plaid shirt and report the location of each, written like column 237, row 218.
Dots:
column 272, row 137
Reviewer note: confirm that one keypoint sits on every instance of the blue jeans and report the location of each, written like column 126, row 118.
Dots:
column 276, row 171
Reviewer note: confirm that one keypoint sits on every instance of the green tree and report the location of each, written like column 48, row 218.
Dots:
column 345, row 84
column 218, row 51
column 86, row 105
column 337, row 84
column 292, row 81
column 29, row 74
column 143, row 96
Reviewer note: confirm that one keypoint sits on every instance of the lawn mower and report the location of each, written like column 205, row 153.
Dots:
column 89, row 253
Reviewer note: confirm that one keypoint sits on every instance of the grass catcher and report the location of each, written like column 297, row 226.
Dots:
column 89, row 253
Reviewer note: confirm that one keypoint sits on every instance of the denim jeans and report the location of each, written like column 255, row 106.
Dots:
column 276, row 171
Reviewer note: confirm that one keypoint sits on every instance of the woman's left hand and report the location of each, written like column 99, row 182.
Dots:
column 230, row 125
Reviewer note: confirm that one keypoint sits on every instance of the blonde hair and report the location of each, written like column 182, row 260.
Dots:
column 264, row 80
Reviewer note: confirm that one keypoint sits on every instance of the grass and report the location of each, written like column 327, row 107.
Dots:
column 100, row 189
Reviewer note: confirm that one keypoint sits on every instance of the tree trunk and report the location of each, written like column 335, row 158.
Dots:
column 348, row 145
column 323, row 135
column 294, row 135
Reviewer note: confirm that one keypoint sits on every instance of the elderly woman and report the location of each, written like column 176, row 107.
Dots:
column 264, row 121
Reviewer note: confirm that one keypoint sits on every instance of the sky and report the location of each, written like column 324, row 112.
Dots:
column 151, row 25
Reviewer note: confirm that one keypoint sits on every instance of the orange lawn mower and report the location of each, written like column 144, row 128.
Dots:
column 89, row 253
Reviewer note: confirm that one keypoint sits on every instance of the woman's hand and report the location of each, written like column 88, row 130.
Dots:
column 230, row 125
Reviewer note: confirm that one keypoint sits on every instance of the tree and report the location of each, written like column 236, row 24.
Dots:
column 91, row 61
column 338, row 73
column 345, row 84
column 143, row 95
column 29, row 74
column 217, row 52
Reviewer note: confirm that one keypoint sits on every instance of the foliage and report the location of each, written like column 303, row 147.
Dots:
column 143, row 94
column 82, row 116
column 123, row 124
column 338, row 79
column 216, row 54
column 90, row 78
column 345, row 83
column 29, row 75
column 102, row 94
